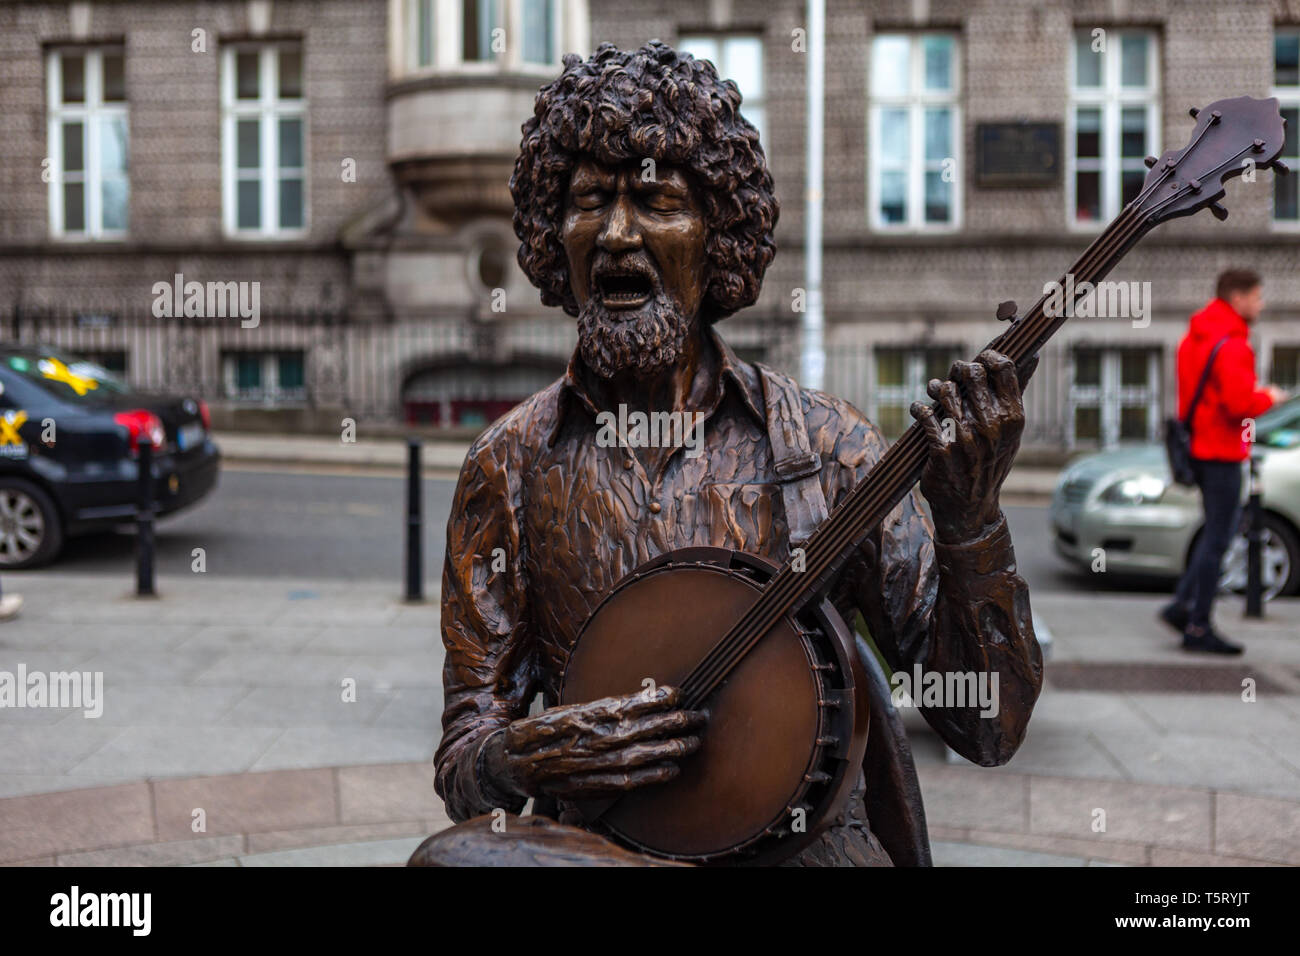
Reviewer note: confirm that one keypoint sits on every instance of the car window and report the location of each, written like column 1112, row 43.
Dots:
column 1279, row 427
column 65, row 376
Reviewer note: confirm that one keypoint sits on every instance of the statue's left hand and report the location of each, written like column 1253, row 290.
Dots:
column 973, row 437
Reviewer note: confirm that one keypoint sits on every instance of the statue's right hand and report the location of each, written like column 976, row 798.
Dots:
column 605, row 746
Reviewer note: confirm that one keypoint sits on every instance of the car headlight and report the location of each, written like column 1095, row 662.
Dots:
column 1135, row 490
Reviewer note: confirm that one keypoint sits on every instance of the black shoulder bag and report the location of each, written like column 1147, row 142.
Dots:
column 1178, row 431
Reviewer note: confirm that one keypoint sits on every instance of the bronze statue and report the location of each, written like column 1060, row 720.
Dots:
column 645, row 209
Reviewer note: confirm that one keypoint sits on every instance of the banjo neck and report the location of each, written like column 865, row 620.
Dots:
column 1230, row 137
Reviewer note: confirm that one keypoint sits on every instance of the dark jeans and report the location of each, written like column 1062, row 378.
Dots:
column 1220, row 484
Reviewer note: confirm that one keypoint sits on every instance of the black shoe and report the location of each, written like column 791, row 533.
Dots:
column 1208, row 642
column 1176, row 616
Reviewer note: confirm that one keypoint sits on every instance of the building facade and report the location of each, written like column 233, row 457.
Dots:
column 350, row 159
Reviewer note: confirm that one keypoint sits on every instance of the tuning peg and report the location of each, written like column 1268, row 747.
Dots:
column 1219, row 210
column 1193, row 111
column 1006, row 310
column 1281, row 168
column 1150, row 161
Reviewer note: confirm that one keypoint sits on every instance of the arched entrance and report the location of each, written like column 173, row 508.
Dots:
column 472, row 394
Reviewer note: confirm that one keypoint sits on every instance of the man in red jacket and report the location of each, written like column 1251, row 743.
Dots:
column 1219, row 431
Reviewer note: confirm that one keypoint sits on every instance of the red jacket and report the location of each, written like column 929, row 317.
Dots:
column 1231, row 395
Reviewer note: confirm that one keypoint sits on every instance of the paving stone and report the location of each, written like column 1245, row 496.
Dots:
column 388, row 792
column 963, row 854
column 969, row 796
column 328, row 836
column 1162, row 857
column 420, row 709
column 374, row 853
column 177, row 751
column 1257, row 827
column 309, row 747
column 246, row 803
column 52, row 748
column 54, row 823
column 1135, row 813
column 307, row 707
column 1133, row 854
column 174, row 853
column 166, row 705
column 1219, row 762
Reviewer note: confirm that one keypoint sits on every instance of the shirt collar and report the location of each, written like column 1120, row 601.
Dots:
column 733, row 372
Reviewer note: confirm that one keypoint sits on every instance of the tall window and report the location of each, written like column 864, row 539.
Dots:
column 914, row 131
column 1286, row 87
column 1113, row 121
column 1115, row 396
column 263, row 140
column 738, row 57
column 450, row 34
column 265, row 376
column 422, row 15
column 478, row 20
column 539, row 33
column 1286, row 367
column 89, row 189
column 901, row 378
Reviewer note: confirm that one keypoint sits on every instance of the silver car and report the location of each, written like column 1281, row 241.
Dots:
column 1120, row 512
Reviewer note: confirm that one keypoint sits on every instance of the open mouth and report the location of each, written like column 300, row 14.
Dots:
column 624, row 290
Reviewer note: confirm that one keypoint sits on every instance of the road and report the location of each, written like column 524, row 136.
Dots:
column 350, row 527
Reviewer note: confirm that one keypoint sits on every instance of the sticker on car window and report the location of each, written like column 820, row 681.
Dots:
column 12, row 445
column 56, row 371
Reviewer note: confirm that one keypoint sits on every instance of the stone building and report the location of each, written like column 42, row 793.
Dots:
column 351, row 158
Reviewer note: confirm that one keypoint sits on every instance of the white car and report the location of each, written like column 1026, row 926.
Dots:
column 1125, row 504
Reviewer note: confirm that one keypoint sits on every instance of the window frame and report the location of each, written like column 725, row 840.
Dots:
column 915, row 379
column 916, row 100
column 1109, row 396
column 447, row 41
column 1111, row 98
column 268, row 109
column 89, row 112
column 752, row 103
column 270, row 392
column 1288, row 98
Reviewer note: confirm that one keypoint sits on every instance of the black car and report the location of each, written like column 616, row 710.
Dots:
column 69, row 438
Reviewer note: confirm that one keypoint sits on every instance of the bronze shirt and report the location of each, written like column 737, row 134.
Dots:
column 567, row 518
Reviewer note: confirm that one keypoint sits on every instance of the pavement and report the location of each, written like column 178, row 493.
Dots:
column 255, row 719
column 233, row 697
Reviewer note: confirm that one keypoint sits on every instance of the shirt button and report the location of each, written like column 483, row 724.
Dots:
column 655, row 507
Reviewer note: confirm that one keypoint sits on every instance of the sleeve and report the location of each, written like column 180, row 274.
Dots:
column 1235, row 375
column 956, row 610
column 489, row 674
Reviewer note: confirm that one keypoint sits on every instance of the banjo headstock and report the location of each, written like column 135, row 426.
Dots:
column 1231, row 137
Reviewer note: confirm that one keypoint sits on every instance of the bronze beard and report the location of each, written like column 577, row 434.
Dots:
column 644, row 346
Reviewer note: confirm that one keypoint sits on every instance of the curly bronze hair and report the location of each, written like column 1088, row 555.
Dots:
column 652, row 103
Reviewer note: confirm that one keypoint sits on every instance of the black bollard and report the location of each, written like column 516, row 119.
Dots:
column 414, row 524
column 1254, row 546
column 144, row 545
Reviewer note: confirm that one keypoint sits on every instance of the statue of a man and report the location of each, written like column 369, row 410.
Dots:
column 645, row 209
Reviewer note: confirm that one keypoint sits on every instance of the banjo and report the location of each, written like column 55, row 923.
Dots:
column 761, row 646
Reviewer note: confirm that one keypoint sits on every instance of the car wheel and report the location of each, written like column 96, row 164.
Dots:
column 31, row 532
column 1280, row 560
